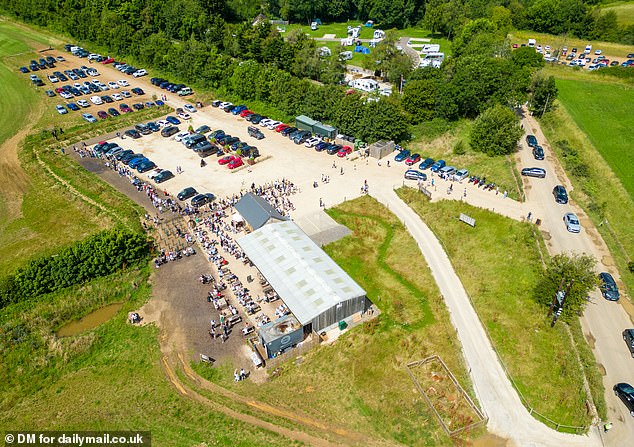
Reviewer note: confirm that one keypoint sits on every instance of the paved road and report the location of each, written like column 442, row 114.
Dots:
column 507, row 415
column 603, row 320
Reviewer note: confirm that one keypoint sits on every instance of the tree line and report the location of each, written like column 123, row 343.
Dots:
column 98, row 255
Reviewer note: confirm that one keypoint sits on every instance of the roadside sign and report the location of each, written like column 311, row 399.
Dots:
column 468, row 220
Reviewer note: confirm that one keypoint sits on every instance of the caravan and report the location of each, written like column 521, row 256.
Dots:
column 434, row 59
column 365, row 84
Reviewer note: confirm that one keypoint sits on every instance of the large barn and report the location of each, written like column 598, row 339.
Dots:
column 316, row 290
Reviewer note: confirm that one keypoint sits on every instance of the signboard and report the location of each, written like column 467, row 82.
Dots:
column 468, row 220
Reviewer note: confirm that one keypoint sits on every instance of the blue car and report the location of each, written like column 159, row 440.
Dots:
column 438, row 166
column 172, row 120
column 137, row 161
column 321, row 146
column 401, row 156
column 145, row 166
column 427, row 163
column 159, row 103
column 74, row 107
column 238, row 109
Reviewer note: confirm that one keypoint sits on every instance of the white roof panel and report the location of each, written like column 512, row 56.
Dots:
column 303, row 275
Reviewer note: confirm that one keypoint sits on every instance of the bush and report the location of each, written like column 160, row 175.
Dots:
column 97, row 255
column 459, row 148
column 496, row 131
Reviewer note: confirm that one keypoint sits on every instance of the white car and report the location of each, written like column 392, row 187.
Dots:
column 123, row 83
column 113, row 85
column 597, row 52
column 92, row 72
column 184, row 115
column 96, row 100
column 53, row 78
column 139, row 73
column 190, row 108
column 180, row 135
column 82, row 103
column 163, row 123
column 116, row 97
column 273, row 124
column 311, row 142
column 223, row 105
column 61, row 110
column 97, row 82
column 266, row 122
column 126, row 94
column 154, row 173
column 77, row 85
column 65, row 95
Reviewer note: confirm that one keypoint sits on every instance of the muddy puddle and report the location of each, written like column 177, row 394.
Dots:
column 90, row 321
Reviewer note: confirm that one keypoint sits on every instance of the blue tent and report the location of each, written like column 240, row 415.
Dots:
column 361, row 49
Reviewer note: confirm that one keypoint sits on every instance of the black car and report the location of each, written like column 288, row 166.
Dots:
column 138, row 106
column 24, row 70
column 137, row 91
column 202, row 199
column 129, row 157
column 107, row 99
column 227, row 140
column 257, row 118
column 608, row 287
column 153, row 126
column 531, row 140
column 203, row 129
column 187, row 193
column 538, row 152
column 561, row 196
column 193, row 140
column 204, row 149
column 113, row 112
column 628, row 337
column 50, row 93
column 625, row 392
column 534, row 172
column 289, row 130
column 122, row 154
column 217, row 134
column 169, row 131
column 163, row 176
column 132, row 133
column 333, row 149
column 216, row 103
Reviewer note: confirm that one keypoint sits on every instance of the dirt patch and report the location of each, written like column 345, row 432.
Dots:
column 601, row 369
column 590, row 339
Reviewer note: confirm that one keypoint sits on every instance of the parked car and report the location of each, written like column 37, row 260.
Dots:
column 138, row 73
column 226, row 159
column 172, row 120
column 88, row 117
column 438, row 166
column 169, row 131
column 344, row 151
column 203, row 129
column 190, row 108
column 96, row 100
column 113, row 112
column 132, row 133
column 412, row 159
column 561, row 196
column 322, row 145
column 145, row 166
column 218, row 133
column 179, row 136
column 402, row 155
column 202, row 199
column 572, row 223
column 625, row 392
column 187, row 193
column 628, row 337
column 460, row 175
column 301, row 137
column 287, row 131
column 534, row 172
column 235, row 163
column 531, row 140
column 184, row 116
column 608, row 287
column 61, row 109
column 427, row 163
column 163, row 176
column 194, row 140
column 101, row 114
column 143, row 129
column 538, row 152
column 125, row 108
column 153, row 126
column 72, row 106
column 255, row 132
column 238, row 109
column 412, row 174
column 83, row 103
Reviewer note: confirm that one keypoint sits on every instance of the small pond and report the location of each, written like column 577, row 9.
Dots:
column 90, row 321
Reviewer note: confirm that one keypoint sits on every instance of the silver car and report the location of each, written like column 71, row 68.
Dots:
column 572, row 223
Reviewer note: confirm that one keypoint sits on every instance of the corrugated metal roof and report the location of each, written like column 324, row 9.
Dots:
column 302, row 274
column 256, row 210
column 306, row 120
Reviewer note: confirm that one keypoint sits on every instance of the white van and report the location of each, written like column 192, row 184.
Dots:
column 532, row 43
column 588, row 48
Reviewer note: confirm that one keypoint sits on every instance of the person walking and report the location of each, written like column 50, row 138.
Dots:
column 607, row 426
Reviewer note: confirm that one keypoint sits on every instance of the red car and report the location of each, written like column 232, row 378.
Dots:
column 245, row 113
column 281, row 127
column 236, row 162
column 226, row 159
column 412, row 159
column 107, row 60
column 124, row 108
column 346, row 150
column 101, row 114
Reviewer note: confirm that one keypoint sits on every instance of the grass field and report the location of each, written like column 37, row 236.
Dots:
column 108, row 378
column 360, row 381
column 624, row 12
column 499, row 265
column 438, row 138
column 597, row 188
column 604, row 112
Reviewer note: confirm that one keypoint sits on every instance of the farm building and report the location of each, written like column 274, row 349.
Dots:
column 318, row 293
column 256, row 211
column 324, row 130
column 304, row 123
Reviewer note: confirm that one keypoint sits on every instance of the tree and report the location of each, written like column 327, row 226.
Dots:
column 496, row 131
column 419, row 100
column 577, row 267
column 527, row 57
column 543, row 94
